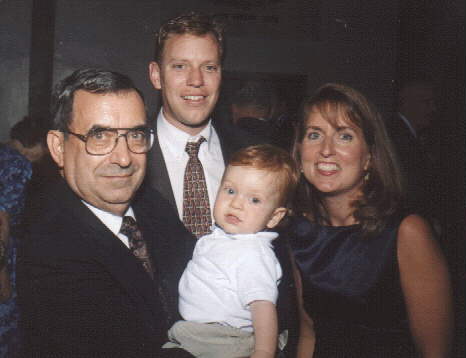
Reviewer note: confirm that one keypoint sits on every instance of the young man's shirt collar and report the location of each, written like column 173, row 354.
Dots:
column 172, row 143
column 175, row 139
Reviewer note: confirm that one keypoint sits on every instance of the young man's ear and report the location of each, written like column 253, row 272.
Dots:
column 55, row 142
column 154, row 75
column 277, row 216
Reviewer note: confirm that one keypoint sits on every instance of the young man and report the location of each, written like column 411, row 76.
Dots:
column 187, row 69
column 229, row 288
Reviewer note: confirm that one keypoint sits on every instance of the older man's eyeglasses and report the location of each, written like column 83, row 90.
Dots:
column 101, row 141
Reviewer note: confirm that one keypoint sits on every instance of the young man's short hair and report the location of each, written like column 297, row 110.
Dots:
column 191, row 23
column 273, row 159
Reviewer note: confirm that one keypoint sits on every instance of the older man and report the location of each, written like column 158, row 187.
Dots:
column 98, row 268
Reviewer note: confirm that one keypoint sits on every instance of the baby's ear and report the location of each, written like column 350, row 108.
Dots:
column 277, row 216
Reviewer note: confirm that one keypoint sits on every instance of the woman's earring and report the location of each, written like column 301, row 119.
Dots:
column 367, row 176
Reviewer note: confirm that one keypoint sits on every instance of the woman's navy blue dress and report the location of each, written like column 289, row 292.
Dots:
column 351, row 290
column 15, row 171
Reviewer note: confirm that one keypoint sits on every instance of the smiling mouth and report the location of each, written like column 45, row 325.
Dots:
column 193, row 98
column 327, row 167
column 118, row 176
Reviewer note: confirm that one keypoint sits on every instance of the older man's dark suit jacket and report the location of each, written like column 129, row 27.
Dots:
column 231, row 140
column 82, row 293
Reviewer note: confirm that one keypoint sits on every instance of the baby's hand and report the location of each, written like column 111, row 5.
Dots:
column 262, row 354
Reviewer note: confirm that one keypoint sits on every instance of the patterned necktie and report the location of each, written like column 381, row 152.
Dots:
column 137, row 245
column 196, row 208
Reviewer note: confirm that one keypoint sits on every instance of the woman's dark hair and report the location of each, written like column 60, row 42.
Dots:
column 382, row 190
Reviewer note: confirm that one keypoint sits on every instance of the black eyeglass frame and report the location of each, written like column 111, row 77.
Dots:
column 85, row 137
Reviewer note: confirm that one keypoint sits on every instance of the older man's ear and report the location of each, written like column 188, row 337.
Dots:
column 55, row 142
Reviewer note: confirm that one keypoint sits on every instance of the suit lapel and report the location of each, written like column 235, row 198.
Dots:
column 115, row 257
column 225, row 141
column 233, row 138
column 169, row 244
column 157, row 174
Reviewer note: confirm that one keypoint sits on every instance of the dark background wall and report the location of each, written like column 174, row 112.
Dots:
column 372, row 45
column 15, row 35
column 106, row 33
column 338, row 40
column 365, row 43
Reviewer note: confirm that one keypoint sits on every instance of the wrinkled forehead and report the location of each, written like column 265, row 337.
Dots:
column 120, row 109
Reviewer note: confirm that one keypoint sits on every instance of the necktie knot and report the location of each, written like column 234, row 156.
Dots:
column 128, row 226
column 136, row 242
column 192, row 148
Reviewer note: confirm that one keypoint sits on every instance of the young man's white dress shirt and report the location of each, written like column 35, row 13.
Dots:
column 173, row 143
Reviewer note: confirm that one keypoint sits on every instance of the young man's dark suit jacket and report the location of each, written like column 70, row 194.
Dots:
column 231, row 140
column 82, row 293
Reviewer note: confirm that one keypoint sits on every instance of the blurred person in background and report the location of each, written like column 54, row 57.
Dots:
column 251, row 107
column 409, row 130
column 25, row 147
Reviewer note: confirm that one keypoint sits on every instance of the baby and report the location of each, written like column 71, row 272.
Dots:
column 229, row 288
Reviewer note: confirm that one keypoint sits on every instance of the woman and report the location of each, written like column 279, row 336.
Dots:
column 372, row 280
column 15, row 171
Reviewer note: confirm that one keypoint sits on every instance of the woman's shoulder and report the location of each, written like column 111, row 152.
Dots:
column 414, row 230
column 417, row 242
